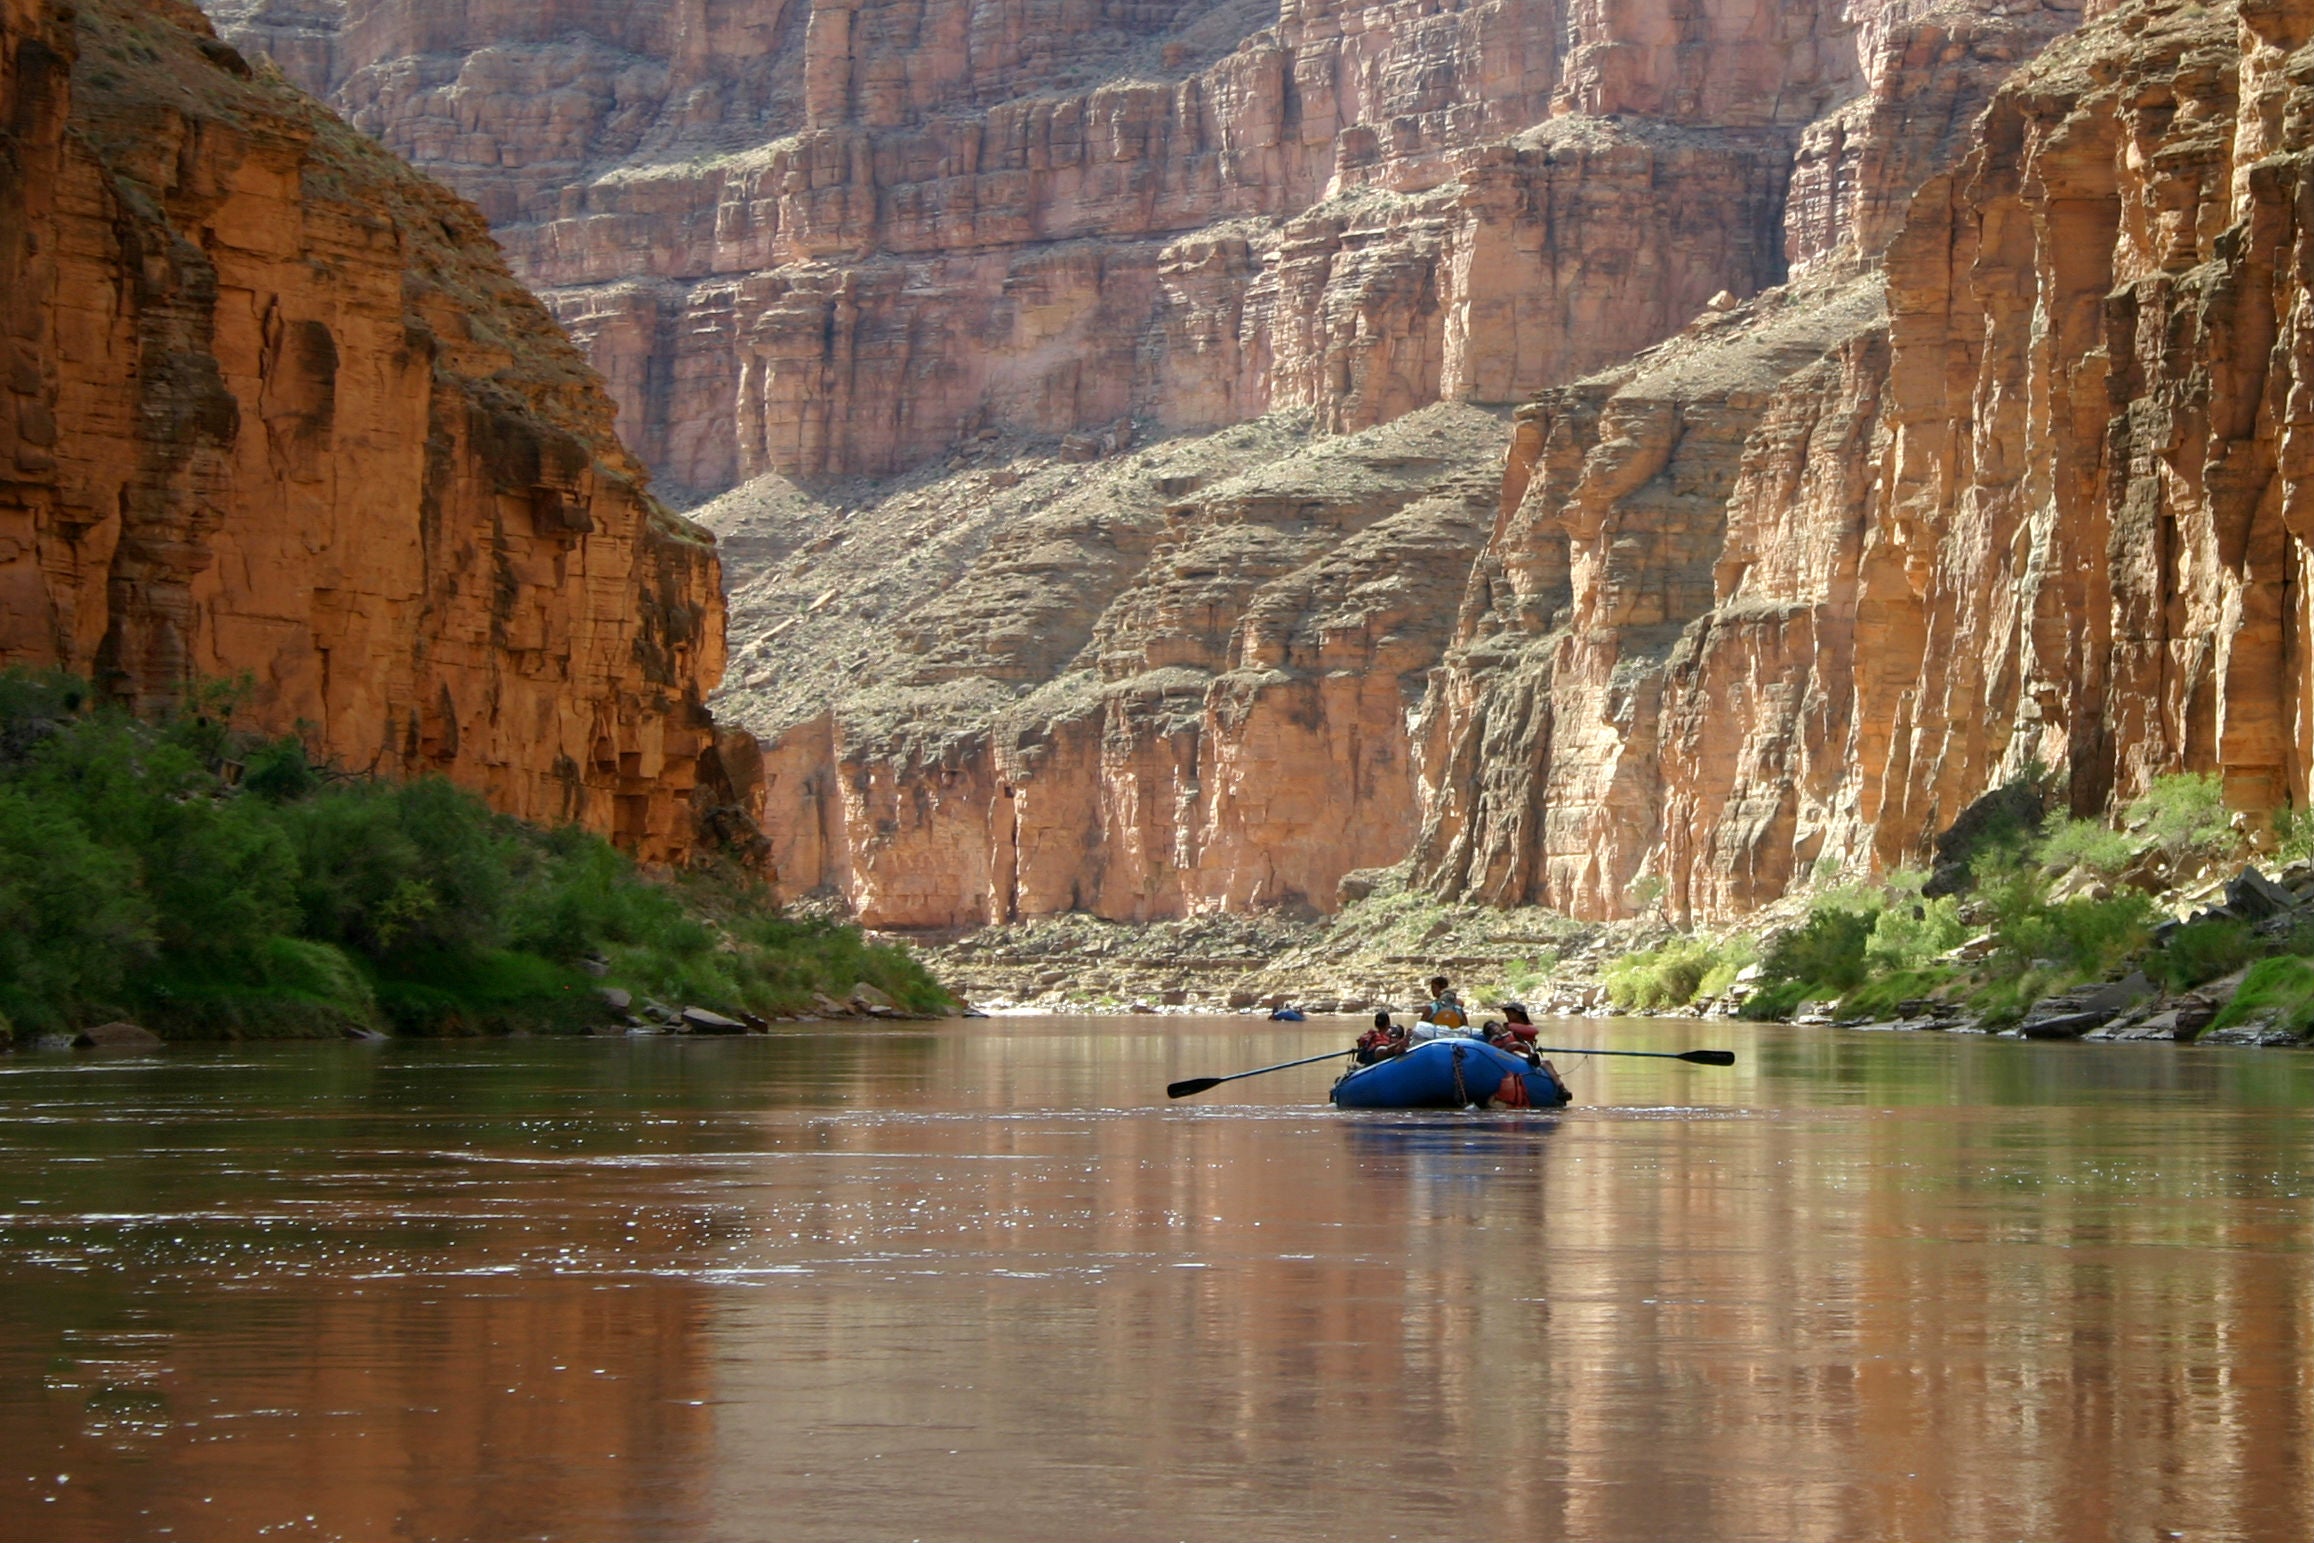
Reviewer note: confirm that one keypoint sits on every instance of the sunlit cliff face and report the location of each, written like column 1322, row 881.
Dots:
column 276, row 410
column 1796, row 589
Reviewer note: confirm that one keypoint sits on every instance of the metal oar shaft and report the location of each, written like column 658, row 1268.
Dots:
column 1200, row 1084
column 1699, row 1057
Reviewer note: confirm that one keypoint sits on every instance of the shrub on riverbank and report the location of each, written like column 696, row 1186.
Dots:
column 1874, row 954
column 2280, row 991
column 1657, row 978
column 209, row 884
column 1677, row 973
column 2204, row 950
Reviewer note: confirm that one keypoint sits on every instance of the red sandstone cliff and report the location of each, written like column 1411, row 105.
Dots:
column 1208, row 674
column 1176, row 681
column 273, row 405
column 1993, row 455
column 1800, row 585
column 838, row 237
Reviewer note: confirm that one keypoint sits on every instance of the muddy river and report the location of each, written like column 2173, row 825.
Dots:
column 982, row 1280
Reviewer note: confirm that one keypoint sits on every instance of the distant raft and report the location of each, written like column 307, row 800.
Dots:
column 1451, row 1074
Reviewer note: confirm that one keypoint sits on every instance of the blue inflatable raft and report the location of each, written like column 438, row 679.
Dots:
column 1451, row 1074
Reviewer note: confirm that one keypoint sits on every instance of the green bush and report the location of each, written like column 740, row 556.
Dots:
column 1669, row 976
column 402, row 869
column 1522, row 980
column 215, row 884
column 2086, row 938
column 2204, row 950
column 73, row 923
column 1776, row 1000
column 2293, row 834
column 2280, row 989
column 2040, row 946
column 2186, row 813
column 1909, row 934
column 1994, row 829
column 290, row 989
column 485, row 991
column 2001, row 999
column 2069, row 843
column 1826, row 952
column 1881, row 996
column 1729, row 960
column 281, row 772
column 1871, row 950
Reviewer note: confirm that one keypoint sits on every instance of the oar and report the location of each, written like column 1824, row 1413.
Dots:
column 1699, row 1057
column 1200, row 1084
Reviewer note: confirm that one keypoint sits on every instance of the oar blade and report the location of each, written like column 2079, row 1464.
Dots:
column 1710, row 1057
column 1193, row 1085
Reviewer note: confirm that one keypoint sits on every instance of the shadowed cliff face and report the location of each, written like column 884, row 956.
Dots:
column 1801, row 584
column 274, row 407
column 840, row 237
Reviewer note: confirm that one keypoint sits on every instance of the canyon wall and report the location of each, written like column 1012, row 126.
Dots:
column 1990, row 455
column 274, row 407
column 828, row 238
column 1798, row 586
column 1177, row 680
column 1214, row 672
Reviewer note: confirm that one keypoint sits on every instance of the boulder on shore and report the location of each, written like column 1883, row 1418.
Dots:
column 2252, row 896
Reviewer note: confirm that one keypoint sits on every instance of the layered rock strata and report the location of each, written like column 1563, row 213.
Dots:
column 831, row 239
column 1796, row 588
column 273, row 408
column 1067, row 773
column 1177, row 681
column 1781, row 594
column 840, row 237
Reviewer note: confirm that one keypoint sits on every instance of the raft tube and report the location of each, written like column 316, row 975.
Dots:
column 1451, row 1074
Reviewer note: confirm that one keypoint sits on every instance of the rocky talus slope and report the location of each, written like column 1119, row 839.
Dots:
column 1795, row 587
column 273, row 407
column 1177, row 681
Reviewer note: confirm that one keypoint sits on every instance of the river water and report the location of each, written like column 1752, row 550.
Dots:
column 982, row 1280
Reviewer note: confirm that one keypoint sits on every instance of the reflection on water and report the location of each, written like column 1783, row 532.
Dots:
column 982, row 1280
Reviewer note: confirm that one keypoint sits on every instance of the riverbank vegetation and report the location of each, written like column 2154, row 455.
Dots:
column 2020, row 909
column 208, row 882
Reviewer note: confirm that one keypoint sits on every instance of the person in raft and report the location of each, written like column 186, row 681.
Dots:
column 1444, row 1014
column 1515, row 1029
column 1382, row 1041
column 1517, row 1034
